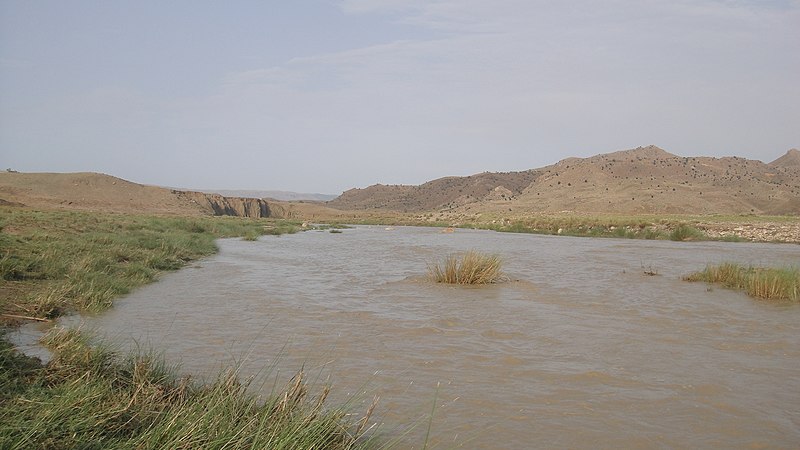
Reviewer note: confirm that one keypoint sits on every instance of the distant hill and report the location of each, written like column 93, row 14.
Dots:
column 86, row 190
column 436, row 194
column 790, row 159
column 641, row 180
column 100, row 192
column 276, row 195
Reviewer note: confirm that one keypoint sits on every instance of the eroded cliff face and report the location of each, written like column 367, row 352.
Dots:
column 227, row 206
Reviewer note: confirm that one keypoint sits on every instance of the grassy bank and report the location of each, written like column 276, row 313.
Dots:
column 642, row 226
column 766, row 283
column 54, row 262
column 88, row 397
column 600, row 226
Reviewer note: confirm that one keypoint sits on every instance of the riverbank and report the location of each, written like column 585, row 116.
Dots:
column 55, row 262
column 744, row 228
column 88, row 396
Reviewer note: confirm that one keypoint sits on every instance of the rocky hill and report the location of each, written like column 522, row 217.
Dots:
column 641, row 180
column 445, row 192
column 790, row 159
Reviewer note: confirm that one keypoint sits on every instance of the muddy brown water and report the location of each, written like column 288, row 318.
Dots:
column 581, row 349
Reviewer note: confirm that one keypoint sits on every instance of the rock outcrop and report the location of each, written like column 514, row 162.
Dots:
column 219, row 205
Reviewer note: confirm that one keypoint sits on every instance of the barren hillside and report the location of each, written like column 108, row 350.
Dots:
column 91, row 191
column 441, row 193
column 650, row 180
column 641, row 180
column 99, row 192
column 790, row 159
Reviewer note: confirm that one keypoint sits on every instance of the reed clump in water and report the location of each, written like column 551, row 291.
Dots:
column 470, row 268
column 761, row 282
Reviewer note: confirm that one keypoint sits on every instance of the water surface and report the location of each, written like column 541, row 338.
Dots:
column 580, row 350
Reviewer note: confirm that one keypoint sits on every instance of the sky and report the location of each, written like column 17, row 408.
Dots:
column 324, row 96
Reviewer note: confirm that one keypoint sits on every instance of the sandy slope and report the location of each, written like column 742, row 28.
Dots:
column 641, row 180
column 91, row 191
column 100, row 192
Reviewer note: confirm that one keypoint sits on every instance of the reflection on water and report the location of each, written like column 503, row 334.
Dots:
column 580, row 350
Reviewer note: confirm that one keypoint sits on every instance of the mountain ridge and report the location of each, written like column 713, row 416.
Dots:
column 790, row 159
column 646, row 180
column 640, row 180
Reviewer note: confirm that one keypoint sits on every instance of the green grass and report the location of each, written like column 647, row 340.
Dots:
column 251, row 235
column 470, row 268
column 609, row 227
column 687, row 233
column 626, row 226
column 56, row 261
column 89, row 397
column 761, row 282
column 17, row 371
column 331, row 226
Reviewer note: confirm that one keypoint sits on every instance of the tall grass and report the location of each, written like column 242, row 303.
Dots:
column 685, row 232
column 82, row 261
column 470, row 268
column 760, row 282
column 89, row 397
column 584, row 226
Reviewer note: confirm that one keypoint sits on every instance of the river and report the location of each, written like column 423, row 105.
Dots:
column 579, row 349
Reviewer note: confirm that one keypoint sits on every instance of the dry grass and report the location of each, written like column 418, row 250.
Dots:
column 760, row 282
column 470, row 268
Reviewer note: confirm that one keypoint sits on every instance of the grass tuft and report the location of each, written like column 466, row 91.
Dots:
column 470, row 268
column 251, row 235
column 761, row 282
column 687, row 233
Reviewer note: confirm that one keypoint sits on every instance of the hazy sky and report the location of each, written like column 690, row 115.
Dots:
column 322, row 96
